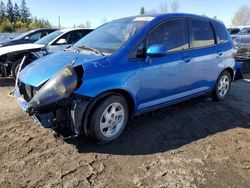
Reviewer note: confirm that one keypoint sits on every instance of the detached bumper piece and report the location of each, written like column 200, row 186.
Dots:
column 64, row 117
column 243, row 54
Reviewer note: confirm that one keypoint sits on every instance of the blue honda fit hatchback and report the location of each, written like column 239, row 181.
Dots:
column 127, row 67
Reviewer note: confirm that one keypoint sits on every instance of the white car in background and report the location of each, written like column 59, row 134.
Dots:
column 11, row 56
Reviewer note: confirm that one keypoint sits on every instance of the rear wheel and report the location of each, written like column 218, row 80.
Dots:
column 223, row 86
column 109, row 119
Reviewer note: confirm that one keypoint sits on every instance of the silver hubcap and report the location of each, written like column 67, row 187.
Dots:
column 223, row 86
column 112, row 120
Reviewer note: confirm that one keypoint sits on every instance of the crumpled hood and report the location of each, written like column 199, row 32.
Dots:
column 20, row 48
column 46, row 67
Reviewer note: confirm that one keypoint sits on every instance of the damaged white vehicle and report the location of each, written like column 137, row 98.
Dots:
column 11, row 56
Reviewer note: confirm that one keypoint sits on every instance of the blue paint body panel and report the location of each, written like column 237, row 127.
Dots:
column 161, row 81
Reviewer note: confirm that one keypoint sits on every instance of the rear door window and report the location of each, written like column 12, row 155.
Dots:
column 44, row 33
column 220, row 32
column 35, row 36
column 75, row 36
column 173, row 34
column 202, row 34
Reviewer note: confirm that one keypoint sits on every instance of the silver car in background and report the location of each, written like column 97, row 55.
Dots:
column 242, row 45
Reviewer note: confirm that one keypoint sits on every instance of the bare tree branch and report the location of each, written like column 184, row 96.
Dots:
column 175, row 6
column 242, row 16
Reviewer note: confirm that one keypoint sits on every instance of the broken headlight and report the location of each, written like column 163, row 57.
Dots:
column 57, row 88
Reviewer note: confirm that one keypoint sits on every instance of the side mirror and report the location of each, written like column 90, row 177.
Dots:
column 157, row 50
column 27, row 38
column 62, row 41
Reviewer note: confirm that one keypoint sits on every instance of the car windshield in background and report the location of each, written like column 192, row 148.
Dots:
column 23, row 35
column 111, row 36
column 245, row 31
column 48, row 38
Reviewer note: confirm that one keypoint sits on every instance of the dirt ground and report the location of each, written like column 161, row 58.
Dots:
column 198, row 143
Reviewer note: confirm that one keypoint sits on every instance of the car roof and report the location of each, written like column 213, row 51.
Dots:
column 41, row 29
column 74, row 29
column 239, row 27
column 173, row 15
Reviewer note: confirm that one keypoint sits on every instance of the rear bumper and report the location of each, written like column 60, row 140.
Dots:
column 65, row 121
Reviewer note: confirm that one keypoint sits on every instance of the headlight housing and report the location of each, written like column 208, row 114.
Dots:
column 57, row 88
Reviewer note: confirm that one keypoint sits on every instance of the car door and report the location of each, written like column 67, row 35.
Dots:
column 161, row 78
column 203, row 57
column 71, row 38
column 57, row 45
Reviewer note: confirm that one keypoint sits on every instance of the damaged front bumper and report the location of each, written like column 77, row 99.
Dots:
column 64, row 118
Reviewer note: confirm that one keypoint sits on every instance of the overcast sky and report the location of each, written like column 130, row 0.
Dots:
column 78, row 11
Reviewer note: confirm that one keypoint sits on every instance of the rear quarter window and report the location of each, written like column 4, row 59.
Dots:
column 202, row 34
column 220, row 31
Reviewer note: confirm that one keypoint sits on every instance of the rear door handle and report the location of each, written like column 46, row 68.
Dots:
column 186, row 59
column 219, row 53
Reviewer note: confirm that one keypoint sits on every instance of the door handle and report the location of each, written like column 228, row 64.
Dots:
column 219, row 53
column 186, row 59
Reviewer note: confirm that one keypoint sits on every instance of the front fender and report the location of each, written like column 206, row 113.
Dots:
column 97, row 84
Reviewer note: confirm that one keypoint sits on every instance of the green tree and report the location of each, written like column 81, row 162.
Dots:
column 19, row 19
column 142, row 11
column 2, row 10
column 10, row 11
column 24, row 12
column 16, row 12
column 6, row 26
column 87, row 25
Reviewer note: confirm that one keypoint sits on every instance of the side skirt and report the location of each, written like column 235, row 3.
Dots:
column 169, row 103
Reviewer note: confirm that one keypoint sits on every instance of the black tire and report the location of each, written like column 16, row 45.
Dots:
column 96, row 133
column 216, row 95
column 14, row 68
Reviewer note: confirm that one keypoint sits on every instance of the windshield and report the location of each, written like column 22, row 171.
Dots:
column 23, row 35
column 111, row 36
column 48, row 38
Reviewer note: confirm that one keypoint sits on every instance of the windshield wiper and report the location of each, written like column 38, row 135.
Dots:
column 91, row 49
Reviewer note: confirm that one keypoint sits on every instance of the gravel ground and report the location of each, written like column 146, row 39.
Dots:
column 198, row 143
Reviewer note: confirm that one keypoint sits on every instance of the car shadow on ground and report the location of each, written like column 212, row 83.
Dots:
column 7, row 82
column 170, row 128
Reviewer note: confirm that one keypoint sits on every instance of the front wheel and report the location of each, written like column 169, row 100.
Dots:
column 222, row 87
column 15, row 67
column 109, row 119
